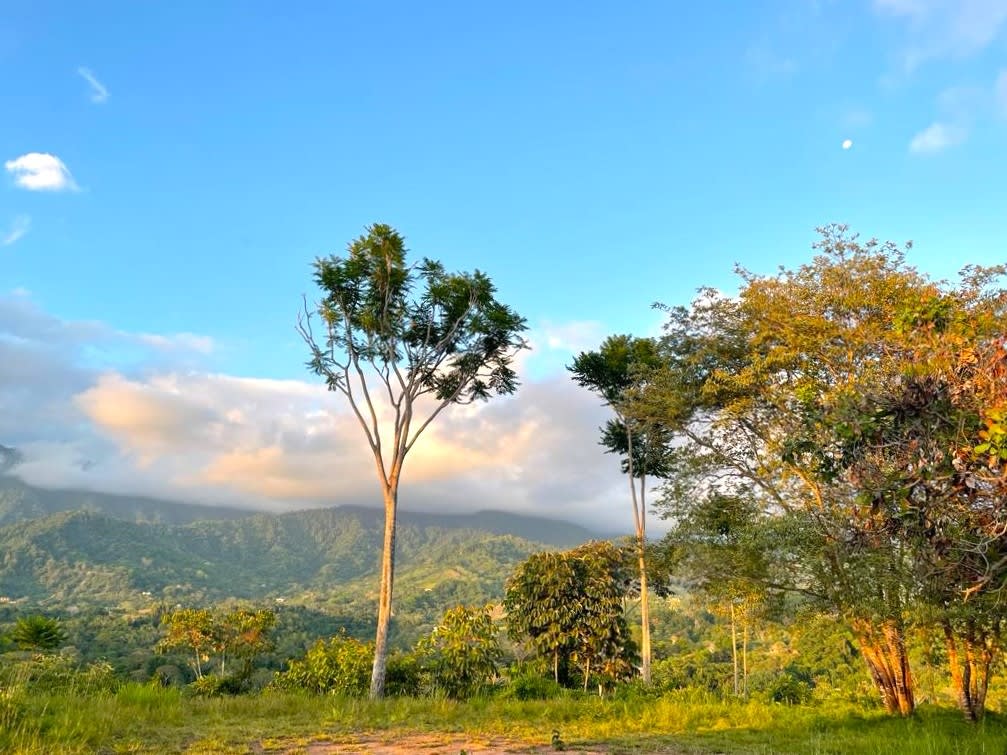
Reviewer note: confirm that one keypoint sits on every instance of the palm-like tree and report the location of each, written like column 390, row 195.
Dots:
column 37, row 632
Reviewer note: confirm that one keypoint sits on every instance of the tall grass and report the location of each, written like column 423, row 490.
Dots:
column 146, row 719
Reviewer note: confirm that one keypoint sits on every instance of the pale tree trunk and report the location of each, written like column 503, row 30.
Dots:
column 644, row 620
column 385, row 591
column 744, row 656
column 640, row 522
column 734, row 648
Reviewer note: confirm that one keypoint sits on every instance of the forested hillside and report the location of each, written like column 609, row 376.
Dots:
column 318, row 557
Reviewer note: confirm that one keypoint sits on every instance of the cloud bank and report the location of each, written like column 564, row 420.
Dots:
column 164, row 425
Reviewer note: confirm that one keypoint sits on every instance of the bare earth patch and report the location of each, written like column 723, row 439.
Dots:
column 429, row 744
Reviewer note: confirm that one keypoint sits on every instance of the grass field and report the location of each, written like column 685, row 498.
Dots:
column 143, row 719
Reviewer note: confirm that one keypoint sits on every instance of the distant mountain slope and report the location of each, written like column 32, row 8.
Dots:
column 324, row 557
column 20, row 501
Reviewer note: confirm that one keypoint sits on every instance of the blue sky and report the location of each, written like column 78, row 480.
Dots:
column 192, row 158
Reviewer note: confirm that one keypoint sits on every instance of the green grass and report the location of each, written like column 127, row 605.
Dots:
column 150, row 720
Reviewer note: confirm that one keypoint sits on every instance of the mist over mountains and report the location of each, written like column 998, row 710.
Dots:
column 67, row 548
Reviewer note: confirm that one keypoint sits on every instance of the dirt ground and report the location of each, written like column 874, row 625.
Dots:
column 431, row 744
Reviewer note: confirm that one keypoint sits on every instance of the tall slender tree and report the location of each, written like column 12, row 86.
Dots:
column 616, row 372
column 401, row 343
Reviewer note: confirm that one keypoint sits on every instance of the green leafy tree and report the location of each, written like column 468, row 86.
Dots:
column 569, row 607
column 616, row 372
column 462, row 653
column 36, row 632
column 241, row 633
column 816, row 394
column 929, row 455
column 604, row 647
column 245, row 635
column 195, row 630
column 405, row 341
column 541, row 601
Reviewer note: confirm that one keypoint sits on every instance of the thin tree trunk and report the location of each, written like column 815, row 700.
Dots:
column 640, row 522
column 644, row 619
column 555, row 666
column 734, row 649
column 969, row 660
column 385, row 592
column 744, row 657
column 587, row 674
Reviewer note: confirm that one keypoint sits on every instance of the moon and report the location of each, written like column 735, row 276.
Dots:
column 847, row 143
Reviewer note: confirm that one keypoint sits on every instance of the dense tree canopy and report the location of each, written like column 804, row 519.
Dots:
column 569, row 607
column 852, row 398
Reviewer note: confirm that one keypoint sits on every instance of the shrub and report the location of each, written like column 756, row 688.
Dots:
column 791, row 686
column 168, row 675
column 404, row 675
column 462, row 652
column 690, row 672
column 209, row 685
column 58, row 674
column 340, row 666
column 636, row 689
column 215, row 685
column 528, row 686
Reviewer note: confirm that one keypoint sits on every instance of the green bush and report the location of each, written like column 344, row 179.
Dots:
column 215, row 685
column 404, row 675
column 527, row 686
column 168, row 675
column 340, row 666
column 791, row 686
column 690, row 672
column 636, row 689
column 461, row 654
column 59, row 674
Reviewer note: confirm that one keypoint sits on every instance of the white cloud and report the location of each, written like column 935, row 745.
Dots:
column 40, row 171
column 99, row 94
column 937, row 137
column 18, row 228
column 943, row 29
column 171, row 431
